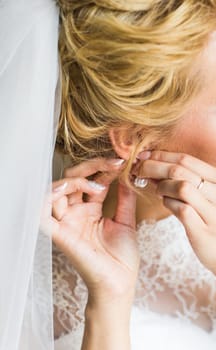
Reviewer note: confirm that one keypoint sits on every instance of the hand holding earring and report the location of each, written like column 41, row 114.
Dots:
column 141, row 182
column 188, row 188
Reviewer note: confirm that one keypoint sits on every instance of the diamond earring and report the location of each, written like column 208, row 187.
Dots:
column 140, row 182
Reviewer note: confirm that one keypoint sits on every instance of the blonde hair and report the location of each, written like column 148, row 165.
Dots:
column 127, row 63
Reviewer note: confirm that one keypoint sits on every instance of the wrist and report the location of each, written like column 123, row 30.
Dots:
column 111, row 301
column 108, row 305
column 107, row 325
column 109, row 313
column 102, row 296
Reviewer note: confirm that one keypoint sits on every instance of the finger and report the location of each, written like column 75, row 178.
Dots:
column 184, row 191
column 104, row 179
column 75, row 198
column 66, row 240
column 93, row 166
column 126, row 206
column 59, row 208
column 194, row 225
column 47, row 222
column 161, row 170
column 158, row 170
column 209, row 191
column 70, row 186
column 196, row 165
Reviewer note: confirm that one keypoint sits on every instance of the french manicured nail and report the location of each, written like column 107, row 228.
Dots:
column 116, row 162
column 60, row 188
column 96, row 186
column 144, row 155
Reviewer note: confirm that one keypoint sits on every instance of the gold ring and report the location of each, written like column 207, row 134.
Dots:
column 201, row 184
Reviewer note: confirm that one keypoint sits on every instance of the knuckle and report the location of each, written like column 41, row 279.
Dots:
column 98, row 164
column 184, row 211
column 183, row 189
column 75, row 183
column 175, row 171
column 156, row 155
column 184, row 159
column 79, row 183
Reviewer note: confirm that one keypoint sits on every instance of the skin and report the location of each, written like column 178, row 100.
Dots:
column 195, row 132
column 193, row 135
column 103, row 251
column 183, row 161
column 109, row 245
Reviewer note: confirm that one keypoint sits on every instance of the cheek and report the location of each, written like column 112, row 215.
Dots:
column 196, row 137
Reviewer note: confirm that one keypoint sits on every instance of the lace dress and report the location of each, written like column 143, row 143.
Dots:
column 175, row 302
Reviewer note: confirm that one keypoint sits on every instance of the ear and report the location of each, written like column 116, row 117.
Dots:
column 124, row 142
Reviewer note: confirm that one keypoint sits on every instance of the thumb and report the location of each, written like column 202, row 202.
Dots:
column 59, row 207
column 126, row 206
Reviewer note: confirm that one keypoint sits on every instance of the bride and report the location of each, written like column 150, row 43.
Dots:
column 139, row 93
column 131, row 208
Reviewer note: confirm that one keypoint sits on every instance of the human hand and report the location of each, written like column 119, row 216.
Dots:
column 178, row 179
column 103, row 251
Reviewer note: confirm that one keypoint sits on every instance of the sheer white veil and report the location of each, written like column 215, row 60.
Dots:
column 29, row 112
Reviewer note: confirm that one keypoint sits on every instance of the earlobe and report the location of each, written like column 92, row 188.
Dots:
column 126, row 143
column 121, row 141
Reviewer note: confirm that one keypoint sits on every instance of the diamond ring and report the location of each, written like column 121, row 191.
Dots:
column 201, row 184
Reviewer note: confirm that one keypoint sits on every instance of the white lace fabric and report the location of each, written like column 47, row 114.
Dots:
column 171, row 281
column 171, row 278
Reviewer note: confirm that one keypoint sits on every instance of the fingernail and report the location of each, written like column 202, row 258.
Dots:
column 96, row 186
column 116, row 162
column 60, row 188
column 144, row 155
